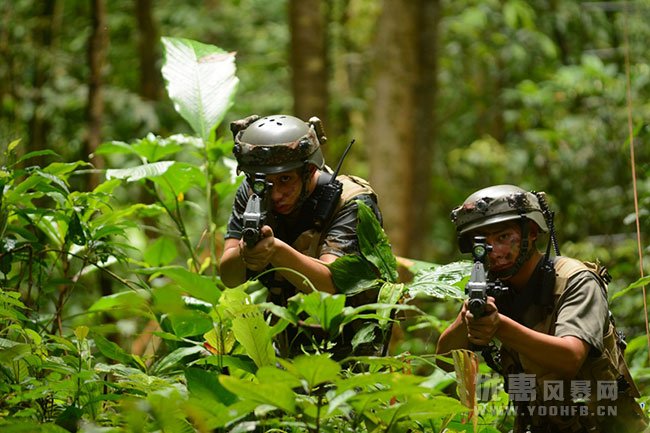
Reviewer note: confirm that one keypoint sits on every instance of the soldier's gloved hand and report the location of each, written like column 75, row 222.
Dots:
column 481, row 330
column 259, row 256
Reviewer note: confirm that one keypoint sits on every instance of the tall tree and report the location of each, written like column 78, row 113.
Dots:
column 401, row 128
column 308, row 58
column 148, row 51
column 45, row 34
column 97, row 46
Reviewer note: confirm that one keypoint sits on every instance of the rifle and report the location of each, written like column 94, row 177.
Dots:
column 256, row 210
column 478, row 288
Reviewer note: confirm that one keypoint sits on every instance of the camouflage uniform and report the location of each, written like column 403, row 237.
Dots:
column 563, row 297
column 285, row 143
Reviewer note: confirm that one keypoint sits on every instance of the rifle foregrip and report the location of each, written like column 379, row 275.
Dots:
column 476, row 307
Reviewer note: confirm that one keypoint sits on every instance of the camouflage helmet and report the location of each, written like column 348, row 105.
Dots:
column 275, row 144
column 493, row 205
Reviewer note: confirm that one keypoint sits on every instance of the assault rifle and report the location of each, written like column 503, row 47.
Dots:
column 478, row 288
column 256, row 210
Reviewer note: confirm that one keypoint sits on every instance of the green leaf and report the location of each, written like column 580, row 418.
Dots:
column 274, row 394
column 75, row 231
column 174, row 359
column 364, row 335
column 162, row 251
column 272, row 374
column 204, row 384
column 441, row 282
column 180, row 178
column 201, row 82
column 145, row 171
column 196, row 285
column 374, row 243
column 325, row 308
column 151, row 148
column 14, row 353
column 46, row 152
column 315, row 369
column 352, row 274
column 249, row 327
column 112, row 350
column 189, row 323
column 131, row 300
column 392, row 294
column 643, row 281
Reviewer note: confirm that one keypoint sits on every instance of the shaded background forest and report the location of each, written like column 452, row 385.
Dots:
column 443, row 97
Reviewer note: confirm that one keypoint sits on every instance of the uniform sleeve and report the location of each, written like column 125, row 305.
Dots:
column 235, row 222
column 583, row 310
column 341, row 235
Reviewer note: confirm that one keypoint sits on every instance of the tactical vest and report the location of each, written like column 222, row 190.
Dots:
column 616, row 415
column 310, row 243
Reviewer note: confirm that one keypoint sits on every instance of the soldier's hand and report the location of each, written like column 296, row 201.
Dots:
column 259, row 256
column 481, row 330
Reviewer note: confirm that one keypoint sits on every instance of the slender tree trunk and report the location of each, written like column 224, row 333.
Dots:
column 97, row 46
column 309, row 64
column 426, row 88
column 45, row 35
column 148, row 51
column 401, row 127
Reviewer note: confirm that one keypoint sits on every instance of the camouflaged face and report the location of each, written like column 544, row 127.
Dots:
column 497, row 204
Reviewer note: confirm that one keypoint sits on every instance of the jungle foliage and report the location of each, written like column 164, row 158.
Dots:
column 112, row 314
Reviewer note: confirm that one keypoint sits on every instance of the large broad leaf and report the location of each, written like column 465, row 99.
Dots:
column 441, row 282
column 205, row 385
column 325, row 308
column 249, row 327
column 314, row 369
column 352, row 274
column 111, row 350
column 144, row 171
column 275, row 394
column 198, row 286
column 189, row 323
column 201, row 82
column 374, row 243
column 131, row 300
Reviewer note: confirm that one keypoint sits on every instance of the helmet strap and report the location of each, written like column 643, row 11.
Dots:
column 305, row 174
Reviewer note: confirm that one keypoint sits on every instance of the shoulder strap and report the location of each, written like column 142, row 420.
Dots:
column 566, row 267
column 353, row 186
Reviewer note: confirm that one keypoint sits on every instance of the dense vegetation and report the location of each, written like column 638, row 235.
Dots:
column 112, row 314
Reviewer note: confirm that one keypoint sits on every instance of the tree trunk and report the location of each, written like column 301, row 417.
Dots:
column 45, row 33
column 97, row 46
column 148, row 51
column 401, row 125
column 309, row 64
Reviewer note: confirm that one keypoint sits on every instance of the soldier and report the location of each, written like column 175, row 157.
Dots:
column 553, row 324
column 286, row 151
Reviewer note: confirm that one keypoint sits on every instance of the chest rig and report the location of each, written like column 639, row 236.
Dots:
column 607, row 367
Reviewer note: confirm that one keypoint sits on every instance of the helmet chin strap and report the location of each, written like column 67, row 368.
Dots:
column 305, row 174
column 525, row 253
